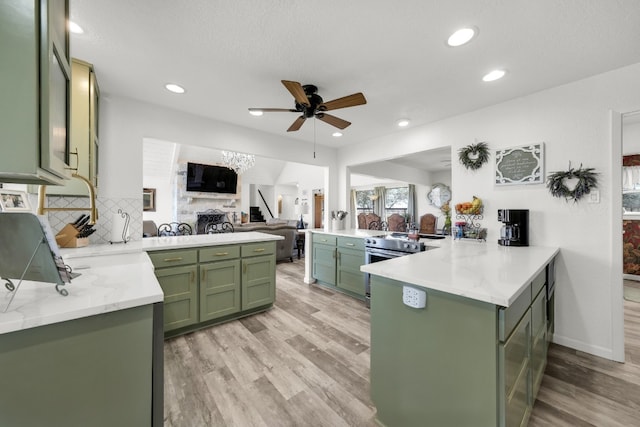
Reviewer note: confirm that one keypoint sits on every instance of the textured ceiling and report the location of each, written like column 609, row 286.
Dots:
column 231, row 55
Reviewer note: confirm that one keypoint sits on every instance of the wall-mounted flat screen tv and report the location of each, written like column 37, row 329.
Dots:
column 211, row 179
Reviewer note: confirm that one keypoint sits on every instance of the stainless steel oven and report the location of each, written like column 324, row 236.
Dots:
column 382, row 248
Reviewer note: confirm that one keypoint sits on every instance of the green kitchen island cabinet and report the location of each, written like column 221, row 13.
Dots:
column 475, row 353
column 209, row 279
column 92, row 358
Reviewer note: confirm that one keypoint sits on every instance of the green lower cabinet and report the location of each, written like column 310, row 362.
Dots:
column 515, row 360
column 538, row 339
column 180, row 287
column 93, row 371
column 456, row 362
column 324, row 263
column 214, row 284
column 258, row 281
column 219, row 289
column 348, row 274
column 337, row 261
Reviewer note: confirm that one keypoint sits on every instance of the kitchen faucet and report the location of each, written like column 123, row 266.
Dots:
column 93, row 211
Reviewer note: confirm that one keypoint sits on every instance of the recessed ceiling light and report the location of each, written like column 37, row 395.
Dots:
column 336, row 134
column 402, row 123
column 460, row 37
column 75, row 28
column 494, row 75
column 174, row 88
column 255, row 112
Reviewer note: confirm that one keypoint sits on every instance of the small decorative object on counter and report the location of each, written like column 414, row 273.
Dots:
column 337, row 219
column 459, row 230
column 471, row 213
column 474, row 156
column 587, row 181
column 446, row 210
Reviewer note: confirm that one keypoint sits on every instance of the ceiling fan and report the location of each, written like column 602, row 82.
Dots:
column 310, row 104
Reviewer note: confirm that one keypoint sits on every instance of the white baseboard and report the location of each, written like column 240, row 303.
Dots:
column 604, row 352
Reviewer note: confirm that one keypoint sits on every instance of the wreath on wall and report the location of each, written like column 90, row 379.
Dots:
column 587, row 181
column 474, row 156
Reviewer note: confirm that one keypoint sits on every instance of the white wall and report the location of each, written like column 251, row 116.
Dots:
column 574, row 123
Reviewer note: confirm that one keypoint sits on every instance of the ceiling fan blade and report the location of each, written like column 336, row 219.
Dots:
column 344, row 102
column 333, row 120
column 274, row 110
column 297, row 91
column 296, row 125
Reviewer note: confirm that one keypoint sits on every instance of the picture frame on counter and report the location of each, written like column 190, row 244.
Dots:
column 149, row 199
column 520, row 165
column 14, row 201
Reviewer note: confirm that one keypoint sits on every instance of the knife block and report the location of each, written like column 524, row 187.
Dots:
column 67, row 238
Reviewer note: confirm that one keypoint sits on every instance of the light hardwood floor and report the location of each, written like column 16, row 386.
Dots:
column 306, row 363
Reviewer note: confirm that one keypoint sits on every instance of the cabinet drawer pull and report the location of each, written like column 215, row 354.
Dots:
column 351, row 244
column 178, row 258
column 323, row 240
column 222, row 253
column 258, row 250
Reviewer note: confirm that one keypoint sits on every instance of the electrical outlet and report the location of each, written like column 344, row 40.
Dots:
column 412, row 297
column 594, row 196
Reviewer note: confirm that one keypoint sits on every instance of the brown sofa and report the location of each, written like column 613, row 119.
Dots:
column 284, row 248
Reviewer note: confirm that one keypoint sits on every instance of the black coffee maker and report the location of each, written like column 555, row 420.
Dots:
column 515, row 231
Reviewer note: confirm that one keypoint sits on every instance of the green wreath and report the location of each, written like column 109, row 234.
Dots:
column 474, row 156
column 587, row 180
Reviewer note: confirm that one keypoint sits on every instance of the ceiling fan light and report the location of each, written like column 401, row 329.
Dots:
column 171, row 87
column 460, row 37
column 494, row 75
column 256, row 113
column 336, row 134
column 403, row 123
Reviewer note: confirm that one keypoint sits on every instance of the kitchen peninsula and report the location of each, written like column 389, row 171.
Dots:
column 95, row 356
column 475, row 352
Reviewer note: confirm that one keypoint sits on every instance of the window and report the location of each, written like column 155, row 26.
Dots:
column 363, row 202
column 396, row 200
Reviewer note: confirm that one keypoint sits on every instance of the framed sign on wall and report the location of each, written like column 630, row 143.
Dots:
column 520, row 165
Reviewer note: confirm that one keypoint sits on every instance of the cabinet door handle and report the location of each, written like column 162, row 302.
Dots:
column 193, row 276
column 204, row 274
column 222, row 253
column 333, row 253
column 178, row 258
column 258, row 250
column 244, row 268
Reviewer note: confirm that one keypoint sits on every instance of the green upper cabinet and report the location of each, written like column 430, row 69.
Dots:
column 35, row 102
column 84, row 130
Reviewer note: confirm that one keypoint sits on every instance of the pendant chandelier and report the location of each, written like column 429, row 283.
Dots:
column 239, row 162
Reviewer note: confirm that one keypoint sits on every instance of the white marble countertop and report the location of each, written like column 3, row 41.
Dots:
column 484, row 271
column 169, row 242
column 113, row 277
column 107, row 283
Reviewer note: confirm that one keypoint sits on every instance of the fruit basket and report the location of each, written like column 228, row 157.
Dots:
column 474, row 207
